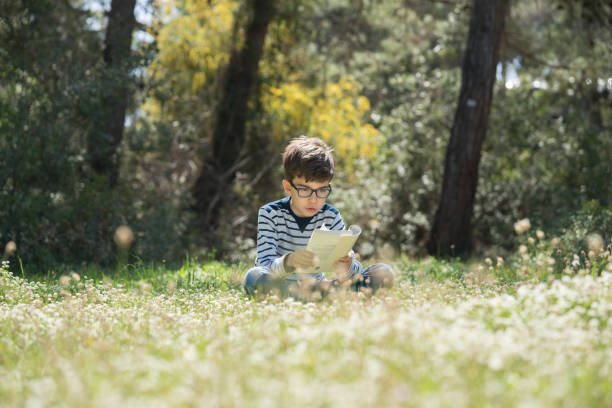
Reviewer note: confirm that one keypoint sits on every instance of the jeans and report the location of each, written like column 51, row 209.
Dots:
column 262, row 281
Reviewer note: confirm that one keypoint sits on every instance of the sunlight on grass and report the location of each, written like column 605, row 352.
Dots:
column 449, row 334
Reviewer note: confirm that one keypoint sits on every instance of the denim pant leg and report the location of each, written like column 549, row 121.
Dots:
column 252, row 279
column 379, row 275
column 260, row 279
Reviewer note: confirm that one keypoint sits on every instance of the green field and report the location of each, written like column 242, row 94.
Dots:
column 448, row 334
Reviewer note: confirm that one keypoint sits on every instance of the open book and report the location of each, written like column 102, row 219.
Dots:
column 328, row 246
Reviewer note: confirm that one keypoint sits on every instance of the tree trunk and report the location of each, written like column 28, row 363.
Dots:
column 451, row 233
column 106, row 137
column 219, row 171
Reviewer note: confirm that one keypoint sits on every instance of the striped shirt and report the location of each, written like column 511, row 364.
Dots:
column 280, row 232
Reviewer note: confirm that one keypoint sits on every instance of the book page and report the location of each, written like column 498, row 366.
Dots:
column 328, row 246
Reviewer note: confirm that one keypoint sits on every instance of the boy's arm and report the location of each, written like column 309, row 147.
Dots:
column 267, row 244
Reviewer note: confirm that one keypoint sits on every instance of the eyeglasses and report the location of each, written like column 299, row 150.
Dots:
column 305, row 192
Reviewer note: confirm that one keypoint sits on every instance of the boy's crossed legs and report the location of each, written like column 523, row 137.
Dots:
column 262, row 281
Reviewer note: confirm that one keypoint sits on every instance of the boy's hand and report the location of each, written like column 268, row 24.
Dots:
column 301, row 258
column 342, row 267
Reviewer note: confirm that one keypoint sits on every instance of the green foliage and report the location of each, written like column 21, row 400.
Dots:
column 412, row 81
column 51, row 205
column 545, row 154
column 431, row 268
column 585, row 240
column 41, row 151
column 546, row 149
column 378, row 80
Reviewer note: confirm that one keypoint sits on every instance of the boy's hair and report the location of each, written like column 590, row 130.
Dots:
column 308, row 157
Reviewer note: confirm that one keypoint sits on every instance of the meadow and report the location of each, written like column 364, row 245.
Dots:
column 491, row 332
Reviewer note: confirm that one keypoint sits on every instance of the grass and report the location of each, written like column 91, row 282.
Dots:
column 496, row 332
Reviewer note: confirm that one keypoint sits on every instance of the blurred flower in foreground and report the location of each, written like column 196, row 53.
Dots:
column 124, row 237
column 522, row 225
column 171, row 287
column 64, row 280
column 595, row 242
column 10, row 248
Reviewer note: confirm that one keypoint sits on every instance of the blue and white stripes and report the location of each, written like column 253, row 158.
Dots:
column 280, row 231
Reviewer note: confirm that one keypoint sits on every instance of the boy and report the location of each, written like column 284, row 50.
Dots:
column 285, row 226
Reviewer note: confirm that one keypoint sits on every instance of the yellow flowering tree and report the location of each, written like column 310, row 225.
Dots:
column 334, row 112
column 194, row 43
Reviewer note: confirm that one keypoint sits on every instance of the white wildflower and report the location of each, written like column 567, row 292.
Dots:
column 522, row 226
column 124, row 237
column 10, row 248
column 595, row 242
column 64, row 280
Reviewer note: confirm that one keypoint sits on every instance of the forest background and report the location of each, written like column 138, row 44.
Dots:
column 110, row 116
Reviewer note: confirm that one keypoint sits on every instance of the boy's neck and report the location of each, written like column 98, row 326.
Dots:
column 302, row 222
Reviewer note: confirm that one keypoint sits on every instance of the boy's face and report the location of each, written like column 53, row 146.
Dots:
column 302, row 206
